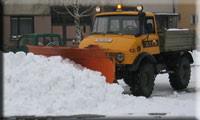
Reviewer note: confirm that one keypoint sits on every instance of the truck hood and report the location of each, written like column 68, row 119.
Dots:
column 111, row 42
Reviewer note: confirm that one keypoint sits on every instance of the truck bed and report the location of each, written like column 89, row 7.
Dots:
column 177, row 40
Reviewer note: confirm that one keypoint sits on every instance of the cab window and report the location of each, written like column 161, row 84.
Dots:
column 100, row 25
column 131, row 26
column 26, row 41
column 55, row 41
column 41, row 41
column 29, row 40
column 47, row 40
column 114, row 26
column 122, row 24
column 149, row 26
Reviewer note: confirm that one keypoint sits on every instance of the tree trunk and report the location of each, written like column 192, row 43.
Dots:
column 78, row 29
column 77, row 22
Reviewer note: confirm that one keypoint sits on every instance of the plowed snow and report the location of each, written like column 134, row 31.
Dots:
column 36, row 85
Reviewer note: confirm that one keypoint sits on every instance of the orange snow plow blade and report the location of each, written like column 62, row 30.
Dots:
column 93, row 58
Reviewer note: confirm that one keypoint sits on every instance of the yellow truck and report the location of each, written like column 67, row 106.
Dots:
column 126, row 44
column 140, row 52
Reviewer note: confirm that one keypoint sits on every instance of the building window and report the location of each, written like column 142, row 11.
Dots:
column 20, row 26
column 194, row 19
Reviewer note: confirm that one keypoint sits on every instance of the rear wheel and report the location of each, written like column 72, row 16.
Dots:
column 142, row 81
column 180, row 78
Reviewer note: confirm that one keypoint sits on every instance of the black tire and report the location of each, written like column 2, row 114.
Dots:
column 142, row 82
column 127, row 79
column 180, row 78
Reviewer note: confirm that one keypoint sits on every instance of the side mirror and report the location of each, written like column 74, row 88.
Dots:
column 84, row 28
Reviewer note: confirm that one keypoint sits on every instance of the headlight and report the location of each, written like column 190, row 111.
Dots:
column 120, row 57
column 98, row 9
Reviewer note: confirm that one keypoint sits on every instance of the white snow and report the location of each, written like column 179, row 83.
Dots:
column 167, row 14
column 177, row 29
column 36, row 85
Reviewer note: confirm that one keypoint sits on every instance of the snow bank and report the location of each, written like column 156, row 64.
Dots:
column 50, row 86
column 36, row 85
column 196, row 57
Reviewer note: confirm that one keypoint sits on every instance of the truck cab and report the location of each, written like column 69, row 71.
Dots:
column 124, row 35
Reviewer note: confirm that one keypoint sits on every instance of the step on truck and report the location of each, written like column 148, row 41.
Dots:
column 126, row 45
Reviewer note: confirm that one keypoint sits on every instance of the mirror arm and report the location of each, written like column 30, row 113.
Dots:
column 142, row 17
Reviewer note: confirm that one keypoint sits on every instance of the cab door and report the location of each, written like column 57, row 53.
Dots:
column 150, row 42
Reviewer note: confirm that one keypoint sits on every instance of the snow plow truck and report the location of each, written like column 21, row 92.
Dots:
column 126, row 44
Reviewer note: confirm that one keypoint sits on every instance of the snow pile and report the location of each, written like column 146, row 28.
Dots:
column 40, row 85
column 196, row 57
column 36, row 85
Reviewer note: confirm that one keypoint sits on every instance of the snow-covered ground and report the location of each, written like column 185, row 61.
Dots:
column 36, row 85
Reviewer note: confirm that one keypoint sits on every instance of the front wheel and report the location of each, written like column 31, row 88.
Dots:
column 142, row 82
column 180, row 78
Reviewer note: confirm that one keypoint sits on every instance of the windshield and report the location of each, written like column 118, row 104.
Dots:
column 24, row 40
column 128, row 25
column 48, row 40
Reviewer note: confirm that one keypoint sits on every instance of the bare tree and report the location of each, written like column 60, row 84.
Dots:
column 77, row 14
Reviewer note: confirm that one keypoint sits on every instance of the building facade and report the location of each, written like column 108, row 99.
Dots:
column 198, row 25
column 188, row 14
column 48, row 16
column 189, row 17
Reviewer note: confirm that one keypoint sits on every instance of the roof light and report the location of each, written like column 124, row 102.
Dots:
column 119, row 7
column 139, row 8
column 98, row 9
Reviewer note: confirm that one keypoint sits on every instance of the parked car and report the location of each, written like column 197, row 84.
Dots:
column 38, row 40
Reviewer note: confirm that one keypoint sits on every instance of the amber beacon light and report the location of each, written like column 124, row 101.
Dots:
column 119, row 7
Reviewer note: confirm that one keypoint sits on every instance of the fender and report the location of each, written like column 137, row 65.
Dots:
column 189, row 56
column 143, row 56
column 21, row 49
